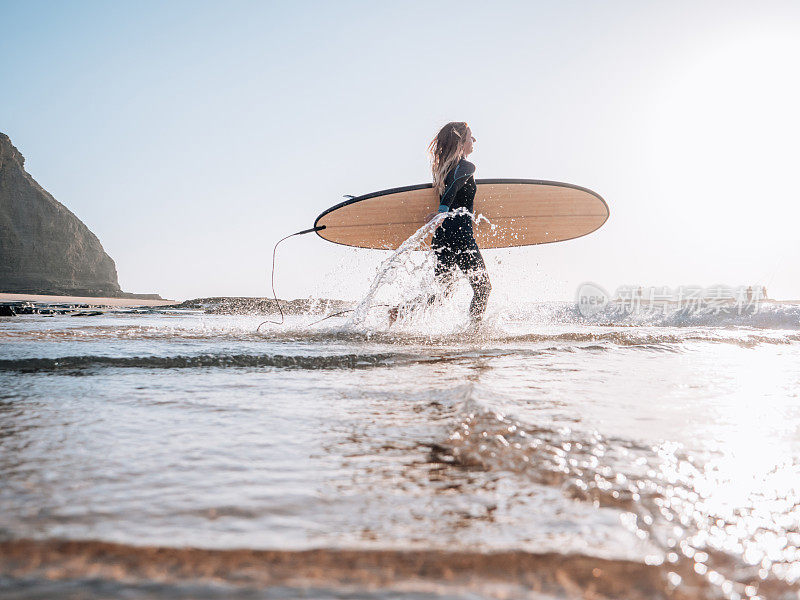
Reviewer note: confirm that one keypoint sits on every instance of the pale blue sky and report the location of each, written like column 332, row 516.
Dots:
column 190, row 136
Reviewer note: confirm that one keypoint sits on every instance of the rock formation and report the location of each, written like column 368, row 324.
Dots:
column 44, row 248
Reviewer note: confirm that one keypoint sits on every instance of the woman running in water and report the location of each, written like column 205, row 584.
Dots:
column 454, row 242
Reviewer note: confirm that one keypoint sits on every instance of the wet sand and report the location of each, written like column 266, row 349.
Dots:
column 496, row 574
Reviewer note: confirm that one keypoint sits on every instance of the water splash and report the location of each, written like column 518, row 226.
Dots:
column 403, row 277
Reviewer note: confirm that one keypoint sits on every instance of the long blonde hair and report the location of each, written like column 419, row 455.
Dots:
column 446, row 149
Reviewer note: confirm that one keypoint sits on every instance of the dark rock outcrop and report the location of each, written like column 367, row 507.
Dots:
column 44, row 248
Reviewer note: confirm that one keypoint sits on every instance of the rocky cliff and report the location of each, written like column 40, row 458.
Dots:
column 44, row 248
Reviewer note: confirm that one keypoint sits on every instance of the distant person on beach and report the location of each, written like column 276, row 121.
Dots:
column 454, row 242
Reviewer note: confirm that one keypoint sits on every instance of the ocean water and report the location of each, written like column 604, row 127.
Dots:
column 182, row 454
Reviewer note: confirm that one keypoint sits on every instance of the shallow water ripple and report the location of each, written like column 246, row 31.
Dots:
column 592, row 460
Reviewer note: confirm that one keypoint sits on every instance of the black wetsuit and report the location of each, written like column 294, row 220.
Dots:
column 454, row 243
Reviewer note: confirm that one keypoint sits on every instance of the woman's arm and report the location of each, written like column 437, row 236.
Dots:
column 463, row 171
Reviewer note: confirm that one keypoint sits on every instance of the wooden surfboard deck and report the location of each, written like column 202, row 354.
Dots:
column 523, row 211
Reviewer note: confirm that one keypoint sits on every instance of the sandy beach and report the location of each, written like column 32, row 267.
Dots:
column 4, row 297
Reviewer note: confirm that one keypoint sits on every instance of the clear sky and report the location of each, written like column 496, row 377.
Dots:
column 190, row 136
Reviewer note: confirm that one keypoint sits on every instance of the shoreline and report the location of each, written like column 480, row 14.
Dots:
column 247, row 302
column 90, row 300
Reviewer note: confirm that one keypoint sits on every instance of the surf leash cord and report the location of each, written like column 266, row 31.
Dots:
column 272, row 278
column 272, row 281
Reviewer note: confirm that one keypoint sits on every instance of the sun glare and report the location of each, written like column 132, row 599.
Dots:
column 724, row 139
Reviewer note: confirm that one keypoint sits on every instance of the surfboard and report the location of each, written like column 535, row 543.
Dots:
column 520, row 212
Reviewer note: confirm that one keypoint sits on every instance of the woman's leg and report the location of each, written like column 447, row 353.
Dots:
column 470, row 261
column 443, row 271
